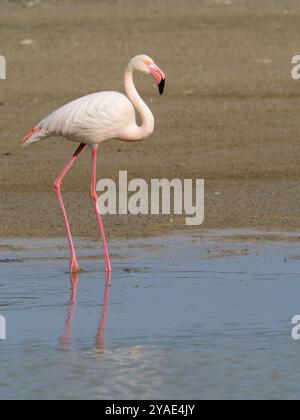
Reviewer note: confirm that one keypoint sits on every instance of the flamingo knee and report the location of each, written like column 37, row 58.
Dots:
column 57, row 186
column 94, row 197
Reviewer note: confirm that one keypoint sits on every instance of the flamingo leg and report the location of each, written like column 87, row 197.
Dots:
column 94, row 198
column 74, row 267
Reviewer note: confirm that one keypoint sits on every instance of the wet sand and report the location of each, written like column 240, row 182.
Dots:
column 229, row 115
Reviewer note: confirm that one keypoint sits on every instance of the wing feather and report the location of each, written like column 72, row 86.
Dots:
column 91, row 119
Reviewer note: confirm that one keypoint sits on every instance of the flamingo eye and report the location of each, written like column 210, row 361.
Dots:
column 147, row 62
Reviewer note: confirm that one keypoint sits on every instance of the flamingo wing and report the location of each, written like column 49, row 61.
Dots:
column 91, row 119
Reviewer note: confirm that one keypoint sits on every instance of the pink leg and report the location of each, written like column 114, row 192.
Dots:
column 94, row 198
column 74, row 267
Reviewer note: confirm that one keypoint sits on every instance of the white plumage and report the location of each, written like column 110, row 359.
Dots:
column 91, row 119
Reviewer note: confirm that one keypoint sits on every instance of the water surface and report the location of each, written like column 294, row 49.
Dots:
column 184, row 317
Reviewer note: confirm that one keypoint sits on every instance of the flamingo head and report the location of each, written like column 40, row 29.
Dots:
column 146, row 65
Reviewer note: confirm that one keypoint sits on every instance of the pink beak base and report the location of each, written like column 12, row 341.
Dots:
column 159, row 77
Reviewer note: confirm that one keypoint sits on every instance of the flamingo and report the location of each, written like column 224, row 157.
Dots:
column 93, row 119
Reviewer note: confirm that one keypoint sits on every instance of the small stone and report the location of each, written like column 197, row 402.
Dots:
column 26, row 42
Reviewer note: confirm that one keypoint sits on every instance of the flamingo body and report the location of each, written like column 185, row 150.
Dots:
column 93, row 119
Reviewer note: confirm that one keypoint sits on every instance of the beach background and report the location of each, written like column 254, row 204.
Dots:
column 229, row 114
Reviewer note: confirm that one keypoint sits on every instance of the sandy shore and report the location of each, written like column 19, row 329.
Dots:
column 229, row 115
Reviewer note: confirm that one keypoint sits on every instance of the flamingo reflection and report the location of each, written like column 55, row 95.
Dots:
column 66, row 337
column 100, row 345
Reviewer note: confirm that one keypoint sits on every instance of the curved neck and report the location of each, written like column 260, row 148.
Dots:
column 146, row 115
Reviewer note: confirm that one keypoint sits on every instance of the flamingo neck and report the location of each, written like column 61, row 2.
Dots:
column 147, row 127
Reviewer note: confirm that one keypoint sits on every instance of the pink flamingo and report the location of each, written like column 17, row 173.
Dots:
column 93, row 119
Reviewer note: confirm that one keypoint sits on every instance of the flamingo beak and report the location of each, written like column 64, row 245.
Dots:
column 159, row 77
column 161, row 86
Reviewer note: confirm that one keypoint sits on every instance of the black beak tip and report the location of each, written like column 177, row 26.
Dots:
column 161, row 86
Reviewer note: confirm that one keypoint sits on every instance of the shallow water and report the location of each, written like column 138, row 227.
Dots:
column 184, row 318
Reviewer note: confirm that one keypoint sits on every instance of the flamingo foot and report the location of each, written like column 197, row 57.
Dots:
column 74, row 267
